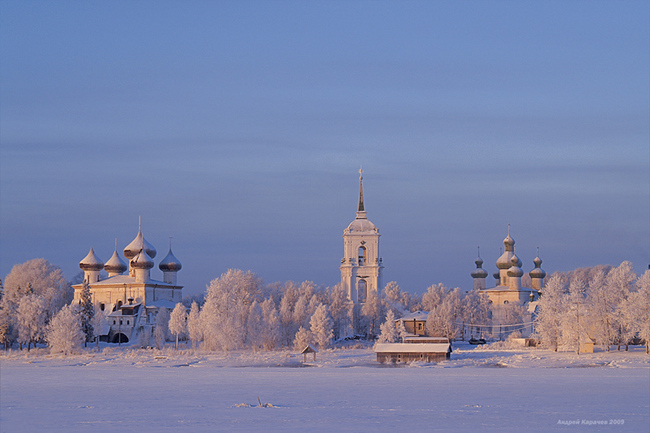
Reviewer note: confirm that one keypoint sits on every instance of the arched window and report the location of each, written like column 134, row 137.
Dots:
column 362, row 255
column 363, row 291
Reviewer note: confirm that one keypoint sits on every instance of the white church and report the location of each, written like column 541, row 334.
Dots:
column 132, row 299
column 508, row 287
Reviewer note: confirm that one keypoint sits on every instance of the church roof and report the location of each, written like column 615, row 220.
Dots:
column 361, row 223
column 139, row 244
column 121, row 280
column 115, row 264
column 91, row 262
column 170, row 263
column 416, row 315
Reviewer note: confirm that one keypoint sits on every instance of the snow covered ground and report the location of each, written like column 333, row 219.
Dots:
column 345, row 390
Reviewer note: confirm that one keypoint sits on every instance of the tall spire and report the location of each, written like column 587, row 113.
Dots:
column 361, row 206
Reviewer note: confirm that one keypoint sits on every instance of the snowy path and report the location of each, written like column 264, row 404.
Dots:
column 345, row 392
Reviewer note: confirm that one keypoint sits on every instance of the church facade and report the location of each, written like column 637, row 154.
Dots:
column 132, row 300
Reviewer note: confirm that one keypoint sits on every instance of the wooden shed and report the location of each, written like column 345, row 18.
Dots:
column 306, row 350
column 413, row 351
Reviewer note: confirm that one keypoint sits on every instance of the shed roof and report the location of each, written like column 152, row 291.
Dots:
column 412, row 348
column 309, row 349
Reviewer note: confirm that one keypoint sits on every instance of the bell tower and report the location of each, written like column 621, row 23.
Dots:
column 361, row 266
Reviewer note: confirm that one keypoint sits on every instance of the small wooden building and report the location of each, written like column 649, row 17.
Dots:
column 414, row 323
column 309, row 349
column 429, row 349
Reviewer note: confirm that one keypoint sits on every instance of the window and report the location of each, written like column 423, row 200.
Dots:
column 102, row 306
column 362, row 255
column 113, row 322
column 419, row 326
column 363, row 291
column 120, row 321
column 127, row 322
column 505, row 302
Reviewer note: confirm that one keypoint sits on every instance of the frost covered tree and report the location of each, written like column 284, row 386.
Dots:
column 601, row 309
column 572, row 321
column 443, row 319
column 322, row 327
column 372, row 312
column 225, row 312
column 86, row 312
column 161, row 328
column 401, row 331
column 551, row 308
column 39, row 277
column 388, row 329
column 31, row 319
column 433, row 296
column 301, row 312
column 178, row 321
column 8, row 328
column 302, row 339
column 637, row 312
column 340, row 308
column 65, row 332
column 288, row 329
column 194, row 328
column 396, row 299
column 475, row 311
column 621, row 280
column 271, row 325
column 255, row 325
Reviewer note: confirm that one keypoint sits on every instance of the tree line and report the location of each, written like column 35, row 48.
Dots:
column 238, row 311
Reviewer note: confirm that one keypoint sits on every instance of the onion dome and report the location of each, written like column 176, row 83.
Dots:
column 142, row 261
column 515, row 269
column 503, row 262
column 479, row 272
column 170, row 263
column 509, row 242
column 139, row 244
column 538, row 272
column 115, row 264
column 91, row 262
column 497, row 276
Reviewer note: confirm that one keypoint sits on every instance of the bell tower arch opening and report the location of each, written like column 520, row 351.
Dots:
column 362, row 291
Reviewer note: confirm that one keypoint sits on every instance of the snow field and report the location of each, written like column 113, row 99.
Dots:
column 344, row 391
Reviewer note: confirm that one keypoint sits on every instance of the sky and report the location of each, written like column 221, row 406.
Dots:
column 238, row 129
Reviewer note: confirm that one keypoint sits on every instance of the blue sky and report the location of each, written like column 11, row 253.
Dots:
column 238, row 129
